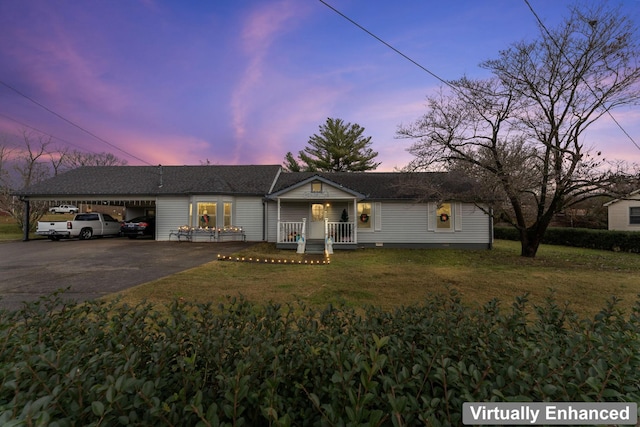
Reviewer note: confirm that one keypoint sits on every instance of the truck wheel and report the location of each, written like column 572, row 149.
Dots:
column 85, row 234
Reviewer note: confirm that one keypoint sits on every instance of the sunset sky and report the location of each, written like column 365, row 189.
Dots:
column 243, row 82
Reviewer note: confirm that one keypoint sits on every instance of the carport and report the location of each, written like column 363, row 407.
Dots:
column 207, row 197
column 116, row 206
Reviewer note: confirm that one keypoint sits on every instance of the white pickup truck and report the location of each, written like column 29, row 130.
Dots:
column 83, row 226
column 64, row 209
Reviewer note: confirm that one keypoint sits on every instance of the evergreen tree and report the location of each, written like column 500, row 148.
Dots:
column 338, row 147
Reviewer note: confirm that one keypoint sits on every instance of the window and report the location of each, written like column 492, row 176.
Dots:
column 444, row 218
column 316, row 187
column 227, row 215
column 317, row 212
column 207, row 215
column 364, row 216
column 634, row 215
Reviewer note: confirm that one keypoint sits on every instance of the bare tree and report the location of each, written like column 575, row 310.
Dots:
column 5, row 154
column 29, row 164
column 520, row 134
column 76, row 159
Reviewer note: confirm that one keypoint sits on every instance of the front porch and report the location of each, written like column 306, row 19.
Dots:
column 295, row 235
column 316, row 215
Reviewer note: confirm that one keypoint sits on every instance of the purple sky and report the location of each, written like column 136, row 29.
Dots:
column 243, row 82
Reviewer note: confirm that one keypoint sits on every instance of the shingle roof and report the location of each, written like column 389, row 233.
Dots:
column 389, row 185
column 156, row 180
column 250, row 180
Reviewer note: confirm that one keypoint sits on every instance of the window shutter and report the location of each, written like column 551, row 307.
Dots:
column 457, row 216
column 377, row 217
column 431, row 216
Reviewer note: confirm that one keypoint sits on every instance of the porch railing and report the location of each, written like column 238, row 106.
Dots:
column 290, row 231
column 341, row 232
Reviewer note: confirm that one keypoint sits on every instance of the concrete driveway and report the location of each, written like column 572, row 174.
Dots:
column 96, row 267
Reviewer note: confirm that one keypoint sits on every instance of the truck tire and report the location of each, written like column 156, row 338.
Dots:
column 85, row 234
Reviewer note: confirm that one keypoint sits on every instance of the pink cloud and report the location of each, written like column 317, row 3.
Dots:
column 259, row 31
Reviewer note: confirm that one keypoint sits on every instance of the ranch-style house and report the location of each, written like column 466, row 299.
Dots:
column 342, row 210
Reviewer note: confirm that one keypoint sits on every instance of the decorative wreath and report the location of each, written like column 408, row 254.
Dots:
column 444, row 217
column 364, row 217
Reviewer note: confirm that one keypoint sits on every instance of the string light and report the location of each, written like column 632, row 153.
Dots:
column 272, row 260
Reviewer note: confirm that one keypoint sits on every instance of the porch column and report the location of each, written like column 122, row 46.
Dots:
column 355, row 220
column 278, row 230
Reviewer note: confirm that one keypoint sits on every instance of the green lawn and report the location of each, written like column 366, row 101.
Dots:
column 9, row 230
column 394, row 277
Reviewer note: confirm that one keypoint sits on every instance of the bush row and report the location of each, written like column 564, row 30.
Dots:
column 66, row 364
column 625, row 241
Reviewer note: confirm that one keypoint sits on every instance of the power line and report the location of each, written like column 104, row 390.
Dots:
column 455, row 88
column 448, row 83
column 582, row 78
column 389, row 46
column 72, row 123
column 45, row 133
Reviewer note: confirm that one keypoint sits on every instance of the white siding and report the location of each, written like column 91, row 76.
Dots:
column 249, row 216
column 329, row 192
column 171, row 213
column 618, row 215
column 272, row 222
column 409, row 223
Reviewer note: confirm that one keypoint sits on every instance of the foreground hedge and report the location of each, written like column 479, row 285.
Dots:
column 608, row 240
column 244, row 364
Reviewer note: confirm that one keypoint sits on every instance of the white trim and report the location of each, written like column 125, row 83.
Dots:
column 457, row 216
column 431, row 216
column 377, row 216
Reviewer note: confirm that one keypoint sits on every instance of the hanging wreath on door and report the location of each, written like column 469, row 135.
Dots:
column 444, row 217
column 364, row 217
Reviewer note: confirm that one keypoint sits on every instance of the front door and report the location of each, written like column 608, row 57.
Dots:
column 316, row 226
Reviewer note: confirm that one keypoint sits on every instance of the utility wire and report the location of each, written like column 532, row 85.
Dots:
column 455, row 88
column 389, row 46
column 72, row 123
column 448, row 83
column 45, row 133
column 582, row 78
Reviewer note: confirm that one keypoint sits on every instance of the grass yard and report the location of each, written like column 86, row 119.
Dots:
column 395, row 277
column 9, row 230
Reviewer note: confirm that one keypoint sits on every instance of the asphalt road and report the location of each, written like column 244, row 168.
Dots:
column 96, row 267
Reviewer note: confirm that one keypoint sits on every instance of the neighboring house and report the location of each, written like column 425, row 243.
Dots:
column 347, row 210
column 624, row 214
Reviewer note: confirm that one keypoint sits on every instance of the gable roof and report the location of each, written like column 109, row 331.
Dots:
column 158, row 180
column 249, row 180
column 303, row 181
column 631, row 196
column 386, row 185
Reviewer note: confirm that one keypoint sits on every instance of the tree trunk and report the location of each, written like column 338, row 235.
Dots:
column 530, row 242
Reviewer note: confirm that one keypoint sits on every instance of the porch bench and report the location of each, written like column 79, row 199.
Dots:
column 231, row 233
column 190, row 234
column 181, row 233
column 203, row 234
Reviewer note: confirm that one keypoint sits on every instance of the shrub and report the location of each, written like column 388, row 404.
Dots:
column 243, row 364
column 625, row 241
